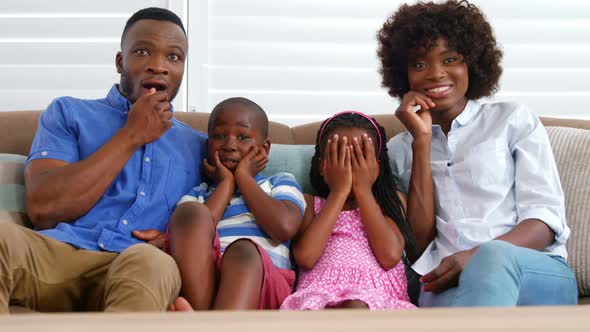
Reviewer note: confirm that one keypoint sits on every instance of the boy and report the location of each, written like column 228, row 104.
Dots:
column 230, row 236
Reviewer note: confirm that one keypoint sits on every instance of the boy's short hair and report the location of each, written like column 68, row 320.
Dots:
column 261, row 118
column 152, row 13
column 418, row 26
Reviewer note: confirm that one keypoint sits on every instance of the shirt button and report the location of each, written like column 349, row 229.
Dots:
column 449, row 163
column 125, row 222
column 147, row 159
column 101, row 245
column 44, row 153
column 142, row 193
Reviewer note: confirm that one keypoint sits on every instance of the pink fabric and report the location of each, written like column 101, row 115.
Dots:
column 348, row 270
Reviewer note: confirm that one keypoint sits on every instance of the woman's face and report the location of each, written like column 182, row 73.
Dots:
column 441, row 74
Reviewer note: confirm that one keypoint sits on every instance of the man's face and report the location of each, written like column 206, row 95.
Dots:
column 152, row 56
column 235, row 132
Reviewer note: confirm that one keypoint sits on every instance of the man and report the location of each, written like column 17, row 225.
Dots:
column 99, row 172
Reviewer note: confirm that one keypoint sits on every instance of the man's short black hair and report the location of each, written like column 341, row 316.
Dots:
column 152, row 13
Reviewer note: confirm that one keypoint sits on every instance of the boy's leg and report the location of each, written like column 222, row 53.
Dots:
column 141, row 278
column 44, row 274
column 249, row 279
column 502, row 274
column 191, row 236
column 240, row 277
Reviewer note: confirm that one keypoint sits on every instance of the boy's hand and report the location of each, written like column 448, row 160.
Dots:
column 419, row 123
column 336, row 168
column 253, row 163
column 151, row 236
column 365, row 167
column 149, row 117
column 217, row 172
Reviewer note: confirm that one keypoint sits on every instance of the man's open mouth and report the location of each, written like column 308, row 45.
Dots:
column 159, row 86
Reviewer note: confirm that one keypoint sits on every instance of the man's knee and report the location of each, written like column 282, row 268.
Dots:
column 242, row 253
column 145, row 264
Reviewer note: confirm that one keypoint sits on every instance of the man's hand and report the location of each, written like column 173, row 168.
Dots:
column 151, row 236
column 149, row 117
column 253, row 163
column 446, row 275
column 217, row 172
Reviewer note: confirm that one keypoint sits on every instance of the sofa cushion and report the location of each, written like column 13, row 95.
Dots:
column 294, row 159
column 571, row 148
column 12, row 189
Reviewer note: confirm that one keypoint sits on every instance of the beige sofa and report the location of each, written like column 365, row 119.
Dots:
column 570, row 140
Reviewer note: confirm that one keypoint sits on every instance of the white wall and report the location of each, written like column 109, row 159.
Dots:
column 304, row 60
column 64, row 47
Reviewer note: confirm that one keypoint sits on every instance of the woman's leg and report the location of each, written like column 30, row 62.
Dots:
column 502, row 274
column 191, row 245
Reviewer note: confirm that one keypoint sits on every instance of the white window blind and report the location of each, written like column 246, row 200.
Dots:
column 307, row 59
column 64, row 48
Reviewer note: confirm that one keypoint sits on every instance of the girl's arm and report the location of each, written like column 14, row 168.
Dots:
column 337, row 173
column 384, row 236
column 310, row 243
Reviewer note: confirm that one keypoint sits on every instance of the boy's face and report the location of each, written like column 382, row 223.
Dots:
column 152, row 55
column 235, row 131
column 441, row 74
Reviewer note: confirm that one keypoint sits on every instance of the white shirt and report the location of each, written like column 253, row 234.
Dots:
column 494, row 170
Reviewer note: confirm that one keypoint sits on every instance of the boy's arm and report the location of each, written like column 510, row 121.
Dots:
column 280, row 219
column 219, row 199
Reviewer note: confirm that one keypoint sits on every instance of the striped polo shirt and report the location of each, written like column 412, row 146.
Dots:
column 238, row 222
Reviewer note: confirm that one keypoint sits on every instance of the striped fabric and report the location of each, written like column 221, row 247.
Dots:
column 12, row 189
column 238, row 221
column 571, row 148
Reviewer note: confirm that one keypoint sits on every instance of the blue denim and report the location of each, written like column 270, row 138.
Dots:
column 500, row 274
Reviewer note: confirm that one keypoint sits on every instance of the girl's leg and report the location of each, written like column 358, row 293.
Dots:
column 191, row 244
column 241, row 274
column 502, row 274
column 351, row 304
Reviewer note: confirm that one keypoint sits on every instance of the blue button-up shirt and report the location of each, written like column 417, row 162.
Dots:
column 143, row 195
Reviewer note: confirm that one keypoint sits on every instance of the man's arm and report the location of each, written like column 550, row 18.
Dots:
column 60, row 191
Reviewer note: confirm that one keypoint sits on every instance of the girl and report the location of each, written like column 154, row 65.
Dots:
column 350, row 246
column 495, row 235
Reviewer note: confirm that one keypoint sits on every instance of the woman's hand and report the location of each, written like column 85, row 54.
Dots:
column 336, row 166
column 419, row 124
column 365, row 167
column 217, row 172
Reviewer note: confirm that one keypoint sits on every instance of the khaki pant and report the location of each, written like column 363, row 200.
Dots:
column 44, row 274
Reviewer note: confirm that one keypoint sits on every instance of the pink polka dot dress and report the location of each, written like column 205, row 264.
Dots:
column 348, row 270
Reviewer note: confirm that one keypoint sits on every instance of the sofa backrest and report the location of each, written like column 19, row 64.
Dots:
column 17, row 129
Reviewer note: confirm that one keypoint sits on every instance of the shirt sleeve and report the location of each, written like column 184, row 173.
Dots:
column 56, row 137
column 538, row 191
column 197, row 194
column 286, row 188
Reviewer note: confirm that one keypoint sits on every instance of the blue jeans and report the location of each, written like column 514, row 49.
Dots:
column 500, row 274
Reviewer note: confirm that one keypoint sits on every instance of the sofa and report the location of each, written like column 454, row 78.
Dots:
column 292, row 149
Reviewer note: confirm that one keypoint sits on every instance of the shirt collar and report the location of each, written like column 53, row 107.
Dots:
column 468, row 114
column 120, row 102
